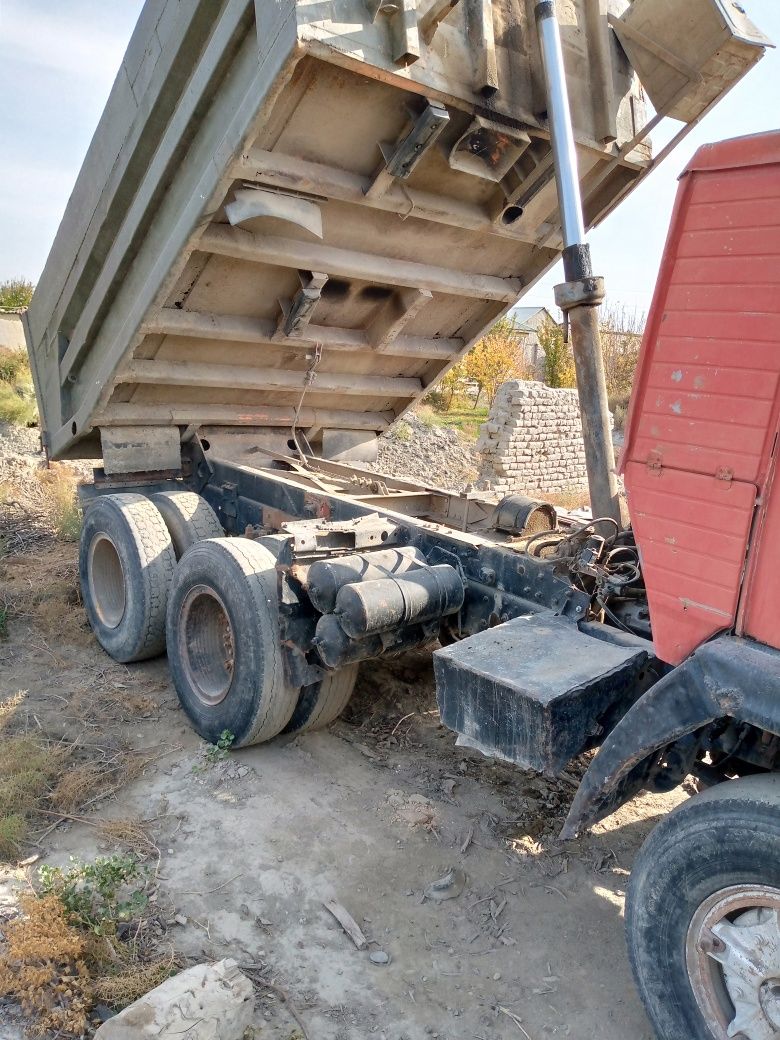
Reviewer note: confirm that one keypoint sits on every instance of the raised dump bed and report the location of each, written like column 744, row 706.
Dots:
column 294, row 216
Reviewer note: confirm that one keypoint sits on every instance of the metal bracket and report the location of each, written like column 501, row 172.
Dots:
column 488, row 149
column 297, row 314
column 402, row 15
column 230, row 500
column 586, row 292
column 367, row 532
column 435, row 14
column 401, row 158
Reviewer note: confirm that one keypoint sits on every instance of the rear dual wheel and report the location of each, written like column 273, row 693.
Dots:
column 225, row 653
column 222, row 626
column 126, row 565
column 128, row 553
column 703, row 915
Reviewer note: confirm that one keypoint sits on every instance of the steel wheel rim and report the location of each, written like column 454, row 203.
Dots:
column 106, row 581
column 732, row 953
column 206, row 645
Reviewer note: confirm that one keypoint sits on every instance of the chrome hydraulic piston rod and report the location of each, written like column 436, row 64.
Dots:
column 580, row 296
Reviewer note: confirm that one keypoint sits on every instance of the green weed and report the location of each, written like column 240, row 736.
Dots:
column 98, row 896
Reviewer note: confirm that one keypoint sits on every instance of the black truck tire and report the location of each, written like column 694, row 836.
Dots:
column 705, row 885
column 188, row 517
column 126, row 567
column 224, row 646
column 321, row 703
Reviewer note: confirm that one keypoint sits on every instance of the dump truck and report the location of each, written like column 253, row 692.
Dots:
column 292, row 221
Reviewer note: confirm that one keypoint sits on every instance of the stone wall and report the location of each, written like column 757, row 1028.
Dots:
column 532, row 441
column 11, row 331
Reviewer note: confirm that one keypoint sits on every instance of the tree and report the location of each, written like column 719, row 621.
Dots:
column 497, row 357
column 621, row 338
column 15, row 294
column 558, row 358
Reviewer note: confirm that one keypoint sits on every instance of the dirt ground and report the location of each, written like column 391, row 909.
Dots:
column 368, row 813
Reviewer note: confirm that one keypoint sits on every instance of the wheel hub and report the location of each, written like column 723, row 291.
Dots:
column 106, row 578
column 733, row 958
column 207, row 645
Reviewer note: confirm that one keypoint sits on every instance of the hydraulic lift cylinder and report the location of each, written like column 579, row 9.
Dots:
column 581, row 295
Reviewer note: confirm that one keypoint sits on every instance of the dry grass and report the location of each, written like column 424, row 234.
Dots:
column 17, row 395
column 27, row 771
column 130, row 834
column 131, row 982
column 113, row 704
column 57, row 971
column 47, row 596
column 59, row 487
column 78, row 785
column 9, row 708
column 43, row 968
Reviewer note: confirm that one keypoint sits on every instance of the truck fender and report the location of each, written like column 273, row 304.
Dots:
column 726, row 678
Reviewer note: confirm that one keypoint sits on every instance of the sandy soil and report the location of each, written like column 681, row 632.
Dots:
column 368, row 813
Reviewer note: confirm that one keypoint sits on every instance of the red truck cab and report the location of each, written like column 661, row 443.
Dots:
column 700, row 458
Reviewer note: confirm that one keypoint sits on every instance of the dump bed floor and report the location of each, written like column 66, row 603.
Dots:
column 294, row 216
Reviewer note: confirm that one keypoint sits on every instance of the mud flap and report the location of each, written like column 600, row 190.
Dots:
column 727, row 678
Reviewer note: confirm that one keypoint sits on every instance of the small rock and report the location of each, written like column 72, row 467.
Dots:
column 180, row 919
column 379, row 957
column 449, row 886
column 205, row 1002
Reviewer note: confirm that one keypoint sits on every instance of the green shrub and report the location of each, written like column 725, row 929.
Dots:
column 17, row 395
column 99, row 895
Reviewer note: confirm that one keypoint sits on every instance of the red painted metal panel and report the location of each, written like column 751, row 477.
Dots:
column 704, row 414
column 761, row 600
column 692, row 531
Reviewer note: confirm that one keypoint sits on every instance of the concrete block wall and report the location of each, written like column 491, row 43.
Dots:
column 532, row 441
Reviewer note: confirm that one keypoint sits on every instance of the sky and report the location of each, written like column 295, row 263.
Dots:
column 58, row 62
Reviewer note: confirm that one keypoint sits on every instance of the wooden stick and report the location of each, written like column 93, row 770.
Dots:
column 347, row 922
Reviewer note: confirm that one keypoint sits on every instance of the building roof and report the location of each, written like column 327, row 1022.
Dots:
column 523, row 315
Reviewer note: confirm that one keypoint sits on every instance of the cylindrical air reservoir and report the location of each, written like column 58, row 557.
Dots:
column 517, row 515
column 326, row 577
column 420, row 595
column 336, row 649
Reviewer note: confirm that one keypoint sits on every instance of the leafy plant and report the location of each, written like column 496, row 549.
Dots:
column 621, row 339
column 216, row 752
column 97, row 896
column 558, row 359
column 15, row 294
column 497, row 357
